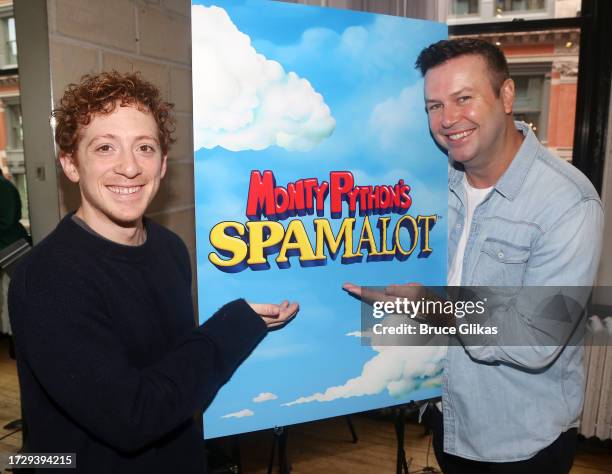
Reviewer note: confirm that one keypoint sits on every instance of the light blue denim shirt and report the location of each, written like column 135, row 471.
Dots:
column 540, row 225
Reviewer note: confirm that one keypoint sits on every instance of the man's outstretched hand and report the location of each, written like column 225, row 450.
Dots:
column 275, row 315
column 412, row 291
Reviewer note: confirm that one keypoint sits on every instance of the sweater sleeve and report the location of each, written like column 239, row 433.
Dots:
column 67, row 341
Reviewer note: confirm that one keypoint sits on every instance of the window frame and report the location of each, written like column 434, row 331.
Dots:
column 544, row 69
column 6, row 12
column 487, row 14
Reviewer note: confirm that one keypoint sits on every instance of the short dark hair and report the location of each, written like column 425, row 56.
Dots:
column 100, row 94
column 440, row 52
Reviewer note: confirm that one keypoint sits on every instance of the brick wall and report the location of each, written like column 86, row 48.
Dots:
column 152, row 37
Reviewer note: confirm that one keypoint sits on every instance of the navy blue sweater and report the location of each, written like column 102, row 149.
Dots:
column 111, row 365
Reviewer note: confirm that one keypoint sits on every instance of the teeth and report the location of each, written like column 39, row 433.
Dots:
column 457, row 136
column 124, row 190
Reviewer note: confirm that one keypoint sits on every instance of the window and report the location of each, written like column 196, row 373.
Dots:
column 14, row 129
column 11, row 42
column 8, row 38
column 14, row 135
column 464, row 7
column 482, row 11
column 505, row 6
column 531, row 100
column 14, row 149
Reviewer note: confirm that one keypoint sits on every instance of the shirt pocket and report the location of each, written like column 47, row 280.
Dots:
column 501, row 263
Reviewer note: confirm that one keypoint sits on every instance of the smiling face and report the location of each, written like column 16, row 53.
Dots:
column 466, row 115
column 118, row 166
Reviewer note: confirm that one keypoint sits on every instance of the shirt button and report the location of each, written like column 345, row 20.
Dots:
column 500, row 255
column 458, row 226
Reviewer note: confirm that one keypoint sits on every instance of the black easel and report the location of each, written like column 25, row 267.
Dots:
column 351, row 428
column 236, row 453
column 280, row 440
column 400, row 428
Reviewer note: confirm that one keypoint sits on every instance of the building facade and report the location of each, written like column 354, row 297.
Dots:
column 543, row 64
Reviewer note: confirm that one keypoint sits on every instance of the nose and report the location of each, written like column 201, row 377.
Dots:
column 449, row 116
column 128, row 165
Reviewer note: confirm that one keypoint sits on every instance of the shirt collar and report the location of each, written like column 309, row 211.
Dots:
column 513, row 178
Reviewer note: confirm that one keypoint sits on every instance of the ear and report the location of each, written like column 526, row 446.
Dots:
column 69, row 165
column 507, row 94
column 164, row 165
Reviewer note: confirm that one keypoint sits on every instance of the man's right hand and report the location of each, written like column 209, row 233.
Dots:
column 413, row 291
column 275, row 315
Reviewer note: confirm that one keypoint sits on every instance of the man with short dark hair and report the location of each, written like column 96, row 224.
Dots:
column 111, row 366
column 518, row 216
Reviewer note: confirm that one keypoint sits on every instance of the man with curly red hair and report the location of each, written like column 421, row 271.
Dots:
column 111, row 366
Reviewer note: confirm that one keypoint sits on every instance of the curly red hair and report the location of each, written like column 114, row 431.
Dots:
column 100, row 94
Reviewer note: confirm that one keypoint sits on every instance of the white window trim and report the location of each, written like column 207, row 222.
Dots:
column 487, row 14
column 537, row 68
column 6, row 11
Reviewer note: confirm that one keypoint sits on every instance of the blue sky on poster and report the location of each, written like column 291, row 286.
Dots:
column 359, row 107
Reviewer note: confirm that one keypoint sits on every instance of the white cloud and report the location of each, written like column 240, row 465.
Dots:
column 264, row 397
column 382, row 45
column 392, row 118
column 421, row 194
column 389, row 177
column 244, row 101
column 424, row 198
column 397, row 369
column 360, row 334
column 239, row 414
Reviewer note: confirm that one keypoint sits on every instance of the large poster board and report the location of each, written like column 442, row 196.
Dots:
column 313, row 167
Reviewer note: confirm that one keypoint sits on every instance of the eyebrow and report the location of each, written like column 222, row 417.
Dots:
column 453, row 94
column 97, row 137
column 149, row 137
column 114, row 137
